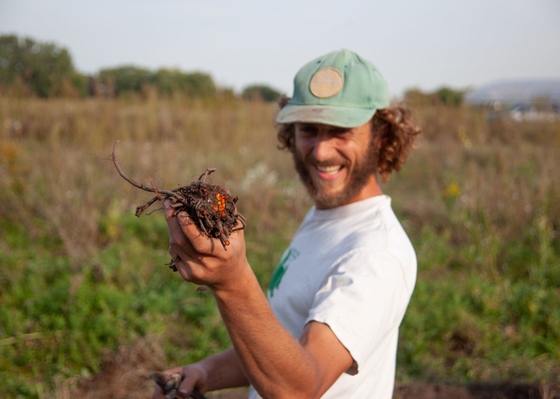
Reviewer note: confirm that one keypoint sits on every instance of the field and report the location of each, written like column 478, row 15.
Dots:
column 88, row 307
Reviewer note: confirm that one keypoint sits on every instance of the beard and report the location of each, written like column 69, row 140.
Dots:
column 359, row 176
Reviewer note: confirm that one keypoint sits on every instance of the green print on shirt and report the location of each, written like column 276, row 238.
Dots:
column 280, row 270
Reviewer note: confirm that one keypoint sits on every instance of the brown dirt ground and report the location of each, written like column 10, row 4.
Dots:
column 125, row 375
column 475, row 391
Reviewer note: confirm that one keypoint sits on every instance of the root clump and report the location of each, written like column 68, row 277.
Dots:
column 211, row 207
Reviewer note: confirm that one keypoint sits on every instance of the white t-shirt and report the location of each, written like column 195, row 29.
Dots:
column 354, row 269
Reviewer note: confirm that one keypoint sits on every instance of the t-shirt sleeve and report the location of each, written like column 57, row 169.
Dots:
column 362, row 300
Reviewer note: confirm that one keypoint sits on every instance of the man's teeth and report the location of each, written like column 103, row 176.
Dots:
column 328, row 169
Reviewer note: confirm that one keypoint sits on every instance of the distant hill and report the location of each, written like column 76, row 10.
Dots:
column 515, row 92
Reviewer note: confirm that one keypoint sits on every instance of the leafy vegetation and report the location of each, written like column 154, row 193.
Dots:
column 87, row 301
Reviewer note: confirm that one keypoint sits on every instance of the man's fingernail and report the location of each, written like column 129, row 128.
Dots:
column 183, row 216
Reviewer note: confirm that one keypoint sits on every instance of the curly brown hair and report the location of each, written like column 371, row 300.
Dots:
column 392, row 125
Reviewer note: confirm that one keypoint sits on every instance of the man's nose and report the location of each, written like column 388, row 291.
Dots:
column 323, row 147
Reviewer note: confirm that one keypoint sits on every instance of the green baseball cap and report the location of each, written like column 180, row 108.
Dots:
column 339, row 89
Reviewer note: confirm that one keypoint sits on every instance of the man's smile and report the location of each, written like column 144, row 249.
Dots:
column 329, row 170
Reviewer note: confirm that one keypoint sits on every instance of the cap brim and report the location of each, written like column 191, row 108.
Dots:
column 327, row 115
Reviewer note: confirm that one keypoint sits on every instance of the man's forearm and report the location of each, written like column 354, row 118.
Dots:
column 223, row 371
column 274, row 361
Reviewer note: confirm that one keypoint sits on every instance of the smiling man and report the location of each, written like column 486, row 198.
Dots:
column 329, row 324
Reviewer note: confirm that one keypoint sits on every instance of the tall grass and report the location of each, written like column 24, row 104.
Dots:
column 84, row 285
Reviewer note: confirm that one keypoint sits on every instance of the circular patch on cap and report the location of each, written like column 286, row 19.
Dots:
column 326, row 83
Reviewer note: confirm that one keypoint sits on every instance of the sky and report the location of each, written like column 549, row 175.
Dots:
column 423, row 44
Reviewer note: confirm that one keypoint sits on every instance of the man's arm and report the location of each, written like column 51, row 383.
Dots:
column 275, row 363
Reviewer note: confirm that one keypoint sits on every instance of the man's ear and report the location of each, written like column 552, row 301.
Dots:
column 377, row 141
column 376, row 135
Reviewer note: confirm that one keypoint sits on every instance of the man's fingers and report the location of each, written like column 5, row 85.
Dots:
column 158, row 393
column 166, row 380
column 187, row 387
column 179, row 243
column 184, row 232
column 173, row 226
column 200, row 242
column 188, row 227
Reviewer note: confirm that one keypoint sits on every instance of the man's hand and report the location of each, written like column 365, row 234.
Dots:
column 215, row 372
column 181, row 382
column 200, row 259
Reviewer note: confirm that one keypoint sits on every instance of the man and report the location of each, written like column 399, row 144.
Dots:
column 329, row 327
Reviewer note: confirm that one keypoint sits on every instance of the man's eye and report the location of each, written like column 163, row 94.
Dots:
column 308, row 130
column 341, row 131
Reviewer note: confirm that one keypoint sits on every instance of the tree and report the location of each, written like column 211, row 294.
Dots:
column 125, row 79
column 450, row 97
column 169, row 81
column 200, row 85
column 40, row 66
column 196, row 84
column 260, row 93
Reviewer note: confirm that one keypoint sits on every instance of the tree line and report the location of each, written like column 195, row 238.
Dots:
column 46, row 70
